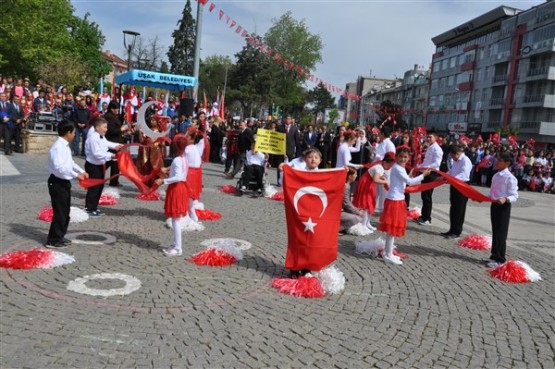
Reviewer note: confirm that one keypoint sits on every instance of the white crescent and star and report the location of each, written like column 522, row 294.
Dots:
column 144, row 127
column 310, row 190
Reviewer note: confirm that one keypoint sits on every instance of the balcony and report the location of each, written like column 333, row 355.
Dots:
column 502, row 78
column 493, row 124
column 465, row 86
column 529, row 127
column 468, row 66
column 497, row 101
column 536, row 101
column 547, row 72
column 471, row 47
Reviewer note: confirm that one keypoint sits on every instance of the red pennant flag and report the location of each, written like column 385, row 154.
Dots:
column 238, row 29
column 211, row 7
column 244, row 33
column 233, row 23
column 203, row 2
column 227, row 19
column 313, row 209
column 221, row 14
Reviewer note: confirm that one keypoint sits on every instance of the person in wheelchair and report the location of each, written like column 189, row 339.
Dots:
column 253, row 172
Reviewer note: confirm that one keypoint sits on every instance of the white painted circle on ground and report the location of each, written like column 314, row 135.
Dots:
column 79, row 285
column 74, row 237
column 241, row 244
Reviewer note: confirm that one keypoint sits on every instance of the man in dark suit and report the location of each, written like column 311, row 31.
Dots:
column 310, row 138
column 216, row 139
column 291, row 137
column 115, row 132
column 17, row 116
column 6, row 109
column 244, row 143
column 323, row 144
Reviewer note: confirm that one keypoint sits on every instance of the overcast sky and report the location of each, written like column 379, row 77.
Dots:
column 384, row 38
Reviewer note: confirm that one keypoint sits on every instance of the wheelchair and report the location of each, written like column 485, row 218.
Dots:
column 249, row 185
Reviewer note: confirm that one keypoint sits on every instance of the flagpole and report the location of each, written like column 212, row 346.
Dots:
column 196, row 60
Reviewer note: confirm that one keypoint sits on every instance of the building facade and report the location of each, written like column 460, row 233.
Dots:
column 496, row 72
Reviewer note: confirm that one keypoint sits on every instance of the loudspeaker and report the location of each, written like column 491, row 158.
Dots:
column 186, row 107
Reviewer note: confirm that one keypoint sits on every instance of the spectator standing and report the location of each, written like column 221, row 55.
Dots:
column 18, row 119
column 432, row 160
column 114, row 133
column 6, row 122
column 81, row 116
column 323, row 144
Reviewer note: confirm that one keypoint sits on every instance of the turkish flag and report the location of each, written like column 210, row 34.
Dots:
column 313, row 203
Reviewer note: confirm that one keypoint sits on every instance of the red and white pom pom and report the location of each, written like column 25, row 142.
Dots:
column 476, row 242
column 35, row 259
column 331, row 279
column 223, row 253
column 187, row 224
column 269, row 190
column 515, row 272
column 76, row 215
column 375, row 248
column 278, row 196
column 359, row 230
column 306, row 286
column 228, row 189
column 109, row 196
column 153, row 196
column 112, row 191
column 198, row 205
column 413, row 213
column 207, row 214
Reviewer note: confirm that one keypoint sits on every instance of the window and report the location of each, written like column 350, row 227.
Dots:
column 444, row 63
column 453, row 62
column 435, row 83
column 451, row 80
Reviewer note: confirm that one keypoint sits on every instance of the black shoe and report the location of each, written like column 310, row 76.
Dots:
column 305, row 271
column 95, row 213
column 52, row 245
column 66, row 241
column 294, row 273
column 445, row 234
column 452, row 237
column 116, row 185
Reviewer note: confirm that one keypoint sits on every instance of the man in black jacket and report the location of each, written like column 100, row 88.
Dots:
column 244, row 143
column 80, row 118
column 324, row 145
column 115, row 132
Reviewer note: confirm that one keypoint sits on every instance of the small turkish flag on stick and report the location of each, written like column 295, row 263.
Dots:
column 312, row 209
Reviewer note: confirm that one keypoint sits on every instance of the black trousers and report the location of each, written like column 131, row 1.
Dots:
column 255, row 172
column 60, row 195
column 94, row 193
column 426, row 197
column 7, row 134
column 17, row 138
column 457, row 210
column 238, row 165
column 114, row 170
column 500, row 216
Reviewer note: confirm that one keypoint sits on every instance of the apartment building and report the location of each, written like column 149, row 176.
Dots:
column 354, row 108
column 497, row 71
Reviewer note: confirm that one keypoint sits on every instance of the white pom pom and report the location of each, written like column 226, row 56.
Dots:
column 187, row 224
column 269, row 190
column 111, row 191
column 370, row 247
column 531, row 274
column 198, row 205
column 59, row 259
column 229, row 247
column 77, row 215
column 359, row 230
column 162, row 194
column 331, row 279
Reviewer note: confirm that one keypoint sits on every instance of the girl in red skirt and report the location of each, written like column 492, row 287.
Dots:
column 193, row 157
column 365, row 192
column 176, row 205
column 393, row 220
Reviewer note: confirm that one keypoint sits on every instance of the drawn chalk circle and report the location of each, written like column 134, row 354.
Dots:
column 97, row 238
column 241, row 244
column 79, row 285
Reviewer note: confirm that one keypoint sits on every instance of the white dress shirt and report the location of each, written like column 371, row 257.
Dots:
column 383, row 148
column 344, row 153
column 504, row 184
column 297, row 163
column 398, row 181
column 433, row 156
column 461, row 168
column 96, row 149
column 192, row 156
column 60, row 161
column 257, row 158
column 178, row 170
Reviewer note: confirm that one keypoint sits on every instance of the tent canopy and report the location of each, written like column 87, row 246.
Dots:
column 171, row 82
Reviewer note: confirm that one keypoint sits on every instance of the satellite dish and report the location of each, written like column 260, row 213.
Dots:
column 144, row 127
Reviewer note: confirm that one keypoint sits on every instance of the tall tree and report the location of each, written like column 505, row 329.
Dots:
column 212, row 75
column 148, row 54
column 321, row 98
column 292, row 41
column 181, row 53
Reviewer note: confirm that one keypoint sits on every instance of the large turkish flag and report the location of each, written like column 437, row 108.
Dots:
column 313, row 203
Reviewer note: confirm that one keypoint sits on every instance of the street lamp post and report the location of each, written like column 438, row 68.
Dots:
column 129, row 44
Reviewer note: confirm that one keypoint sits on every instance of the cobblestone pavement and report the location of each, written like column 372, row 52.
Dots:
column 439, row 310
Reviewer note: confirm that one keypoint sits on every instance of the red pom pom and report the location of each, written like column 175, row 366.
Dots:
column 29, row 259
column 300, row 287
column 212, row 257
column 413, row 214
column 228, row 189
column 476, row 242
column 107, row 199
column 511, row 271
column 278, row 196
column 207, row 214
column 153, row 196
column 46, row 214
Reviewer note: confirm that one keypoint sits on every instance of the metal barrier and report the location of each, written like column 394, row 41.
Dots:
column 42, row 122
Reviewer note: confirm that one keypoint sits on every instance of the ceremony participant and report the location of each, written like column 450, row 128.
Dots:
column 461, row 168
column 193, row 157
column 504, row 190
column 244, row 143
column 115, row 132
column 346, row 148
column 324, row 145
column 151, row 155
column 365, row 192
column 384, row 146
column 254, row 168
column 350, row 214
column 176, row 204
column 393, row 220
column 62, row 169
column 432, row 160
column 6, row 122
column 97, row 155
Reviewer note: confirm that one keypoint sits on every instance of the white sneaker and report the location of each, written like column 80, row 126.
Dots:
column 370, row 227
column 425, row 222
column 172, row 251
column 394, row 260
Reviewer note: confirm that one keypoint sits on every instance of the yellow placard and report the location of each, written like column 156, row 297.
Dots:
column 270, row 142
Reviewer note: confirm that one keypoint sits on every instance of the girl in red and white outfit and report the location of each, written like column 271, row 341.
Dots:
column 393, row 220
column 176, row 205
column 193, row 156
column 365, row 192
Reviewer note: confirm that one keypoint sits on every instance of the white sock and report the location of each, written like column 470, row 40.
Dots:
column 192, row 212
column 365, row 218
column 388, row 251
column 176, row 233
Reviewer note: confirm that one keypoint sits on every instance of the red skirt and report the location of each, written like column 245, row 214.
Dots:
column 177, row 200
column 194, row 182
column 394, row 218
column 365, row 194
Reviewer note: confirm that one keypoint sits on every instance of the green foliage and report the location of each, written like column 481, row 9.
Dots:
column 212, row 76
column 164, row 68
column 181, row 53
column 507, row 130
column 63, row 69
column 321, row 98
column 334, row 114
column 35, row 33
